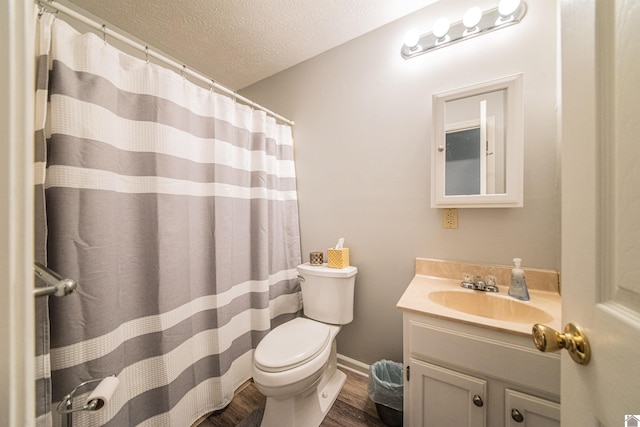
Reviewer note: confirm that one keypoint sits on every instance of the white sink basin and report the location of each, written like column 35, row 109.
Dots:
column 490, row 306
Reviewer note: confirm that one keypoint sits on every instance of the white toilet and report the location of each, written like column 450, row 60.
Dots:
column 295, row 364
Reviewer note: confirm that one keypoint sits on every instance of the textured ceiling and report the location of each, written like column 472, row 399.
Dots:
column 240, row 42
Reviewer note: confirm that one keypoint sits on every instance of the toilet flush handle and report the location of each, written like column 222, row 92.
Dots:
column 301, row 278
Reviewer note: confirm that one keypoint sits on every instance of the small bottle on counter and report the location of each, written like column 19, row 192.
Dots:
column 518, row 288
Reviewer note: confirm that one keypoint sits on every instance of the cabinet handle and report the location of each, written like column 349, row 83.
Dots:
column 517, row 416
column 477, row 400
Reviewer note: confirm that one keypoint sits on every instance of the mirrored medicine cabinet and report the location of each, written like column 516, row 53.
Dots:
column 477, row 151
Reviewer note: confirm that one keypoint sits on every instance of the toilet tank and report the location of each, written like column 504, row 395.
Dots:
column 327, row 293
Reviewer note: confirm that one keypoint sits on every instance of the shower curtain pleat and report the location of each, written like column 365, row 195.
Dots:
column 175, row 209
column 42, row 365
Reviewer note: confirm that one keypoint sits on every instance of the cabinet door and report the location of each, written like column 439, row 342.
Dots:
column 441, row 397
column 530, row 411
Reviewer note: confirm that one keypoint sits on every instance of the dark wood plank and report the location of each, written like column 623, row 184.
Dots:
column 353, row 408
column 245, row 401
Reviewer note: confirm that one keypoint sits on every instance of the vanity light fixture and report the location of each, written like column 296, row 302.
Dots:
column 440, row 30
column 471, row 19
column 506, row 8
column 411, row 39
column 474, row 22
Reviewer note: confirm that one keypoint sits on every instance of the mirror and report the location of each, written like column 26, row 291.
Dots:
column 477, row 154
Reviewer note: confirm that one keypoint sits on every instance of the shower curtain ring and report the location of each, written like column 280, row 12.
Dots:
column 104, row 33
column 42, row 8
column 146, row 53
column 184, row 71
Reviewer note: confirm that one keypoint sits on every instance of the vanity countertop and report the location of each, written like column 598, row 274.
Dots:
column 416, row 299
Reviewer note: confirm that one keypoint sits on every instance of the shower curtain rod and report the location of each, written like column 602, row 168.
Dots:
column 145, row 49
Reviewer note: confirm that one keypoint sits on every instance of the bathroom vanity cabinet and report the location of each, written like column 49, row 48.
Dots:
column 466, row 375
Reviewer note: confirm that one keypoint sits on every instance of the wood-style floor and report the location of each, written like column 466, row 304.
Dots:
column 353, row 408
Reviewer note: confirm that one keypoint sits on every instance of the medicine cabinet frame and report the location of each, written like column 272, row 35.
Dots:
column 513, row 146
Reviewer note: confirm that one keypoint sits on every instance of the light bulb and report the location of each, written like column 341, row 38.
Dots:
column 412, row 38
column 507, row 7
column 441, row 28
column 472, row 17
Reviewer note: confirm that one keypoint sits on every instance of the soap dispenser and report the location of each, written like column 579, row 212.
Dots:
column 518, row 288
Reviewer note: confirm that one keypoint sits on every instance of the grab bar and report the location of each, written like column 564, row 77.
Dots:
column 57, row 285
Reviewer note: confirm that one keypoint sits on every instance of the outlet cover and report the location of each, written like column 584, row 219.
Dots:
column 450, row 218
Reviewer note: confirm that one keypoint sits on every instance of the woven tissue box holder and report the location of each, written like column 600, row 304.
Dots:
column 338, row 258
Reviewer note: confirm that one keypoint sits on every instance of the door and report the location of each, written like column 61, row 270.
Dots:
column 441, row 397
column 16, row 214
column 530, row 411
column 601, row 207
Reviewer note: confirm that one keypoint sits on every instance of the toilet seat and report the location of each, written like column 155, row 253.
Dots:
column 291, row 344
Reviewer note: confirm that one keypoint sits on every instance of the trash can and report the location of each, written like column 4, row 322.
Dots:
column 386, row 391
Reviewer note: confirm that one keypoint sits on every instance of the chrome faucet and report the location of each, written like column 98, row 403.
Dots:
column 478, row 284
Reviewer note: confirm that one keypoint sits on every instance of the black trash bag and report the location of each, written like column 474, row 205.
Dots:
column 386, row 390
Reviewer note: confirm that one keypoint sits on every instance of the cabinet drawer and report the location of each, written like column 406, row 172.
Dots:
column 513, row 359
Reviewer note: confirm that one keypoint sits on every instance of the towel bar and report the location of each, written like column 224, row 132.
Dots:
column 57, row 285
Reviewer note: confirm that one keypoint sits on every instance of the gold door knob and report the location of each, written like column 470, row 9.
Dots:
column 573, row 339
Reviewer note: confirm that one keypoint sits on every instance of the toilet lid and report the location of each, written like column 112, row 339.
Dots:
column 291, row 344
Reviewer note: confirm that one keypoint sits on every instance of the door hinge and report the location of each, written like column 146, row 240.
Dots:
column 408, row 372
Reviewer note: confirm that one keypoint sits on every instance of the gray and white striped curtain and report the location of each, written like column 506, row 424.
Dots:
column 175, row 209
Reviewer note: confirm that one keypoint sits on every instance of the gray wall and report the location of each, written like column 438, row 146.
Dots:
column 362, row 135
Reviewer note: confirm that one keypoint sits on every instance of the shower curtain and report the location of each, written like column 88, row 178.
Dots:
column 175, row 209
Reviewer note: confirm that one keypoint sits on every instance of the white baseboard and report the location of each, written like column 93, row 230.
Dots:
column 353, row 365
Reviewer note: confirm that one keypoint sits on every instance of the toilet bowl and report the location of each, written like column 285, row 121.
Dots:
column 293, row 356
column 303, row 383
column 294, row 365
